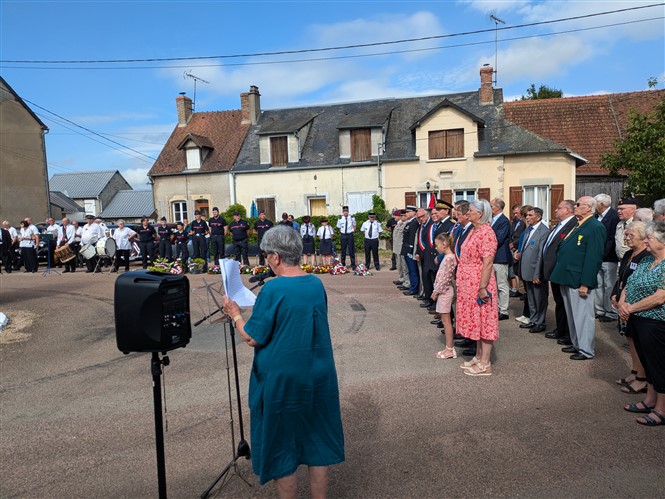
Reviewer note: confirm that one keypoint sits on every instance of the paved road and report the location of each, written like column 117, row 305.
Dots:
column 76, row 415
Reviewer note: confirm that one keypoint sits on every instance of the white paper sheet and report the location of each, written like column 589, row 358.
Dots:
column 233, row 286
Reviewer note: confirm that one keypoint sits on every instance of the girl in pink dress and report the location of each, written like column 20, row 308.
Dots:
column 444, row 292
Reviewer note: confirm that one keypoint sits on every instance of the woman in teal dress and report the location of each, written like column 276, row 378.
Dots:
column 293, row 393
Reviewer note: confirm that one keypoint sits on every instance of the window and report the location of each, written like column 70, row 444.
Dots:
column 361, row 144
column 279, row 151
column 538, row 195
column 446, row 144
column 179, row 210
column 465, row 195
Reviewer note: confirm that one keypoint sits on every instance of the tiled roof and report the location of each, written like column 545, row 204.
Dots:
column 81, row 185
column 220, row 130
column 64, row 202
column 588, row 125
column 321, row 146
column 130, row 204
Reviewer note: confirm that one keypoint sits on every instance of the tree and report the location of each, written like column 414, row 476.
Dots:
column 641, row 153
column 543, row 92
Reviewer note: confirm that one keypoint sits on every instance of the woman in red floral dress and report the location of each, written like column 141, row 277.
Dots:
column 476, row 283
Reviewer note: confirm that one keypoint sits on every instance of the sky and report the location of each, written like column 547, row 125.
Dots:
column 110, row 115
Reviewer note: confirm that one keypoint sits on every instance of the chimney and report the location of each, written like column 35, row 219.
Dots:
column 486, row 91
column 184, row 105
column 250, row 105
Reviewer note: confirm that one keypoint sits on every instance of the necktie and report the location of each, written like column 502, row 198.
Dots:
column 371, row 224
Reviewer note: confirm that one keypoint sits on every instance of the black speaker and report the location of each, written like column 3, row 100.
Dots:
column 151, row 312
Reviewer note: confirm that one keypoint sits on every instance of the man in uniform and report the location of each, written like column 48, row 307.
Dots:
column 390, row 227
column 146, row 234
column 408, row 249
column 198, row 230
column 347, row 226
column 90, row 234
column 181, row 238
column 65, row 235
column 579, row 259
column 218, row 232
column 239, row 229
column 371, row 228
column 261, row 226
column 164, row 233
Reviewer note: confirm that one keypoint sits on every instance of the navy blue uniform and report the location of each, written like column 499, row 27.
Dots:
column 181, row 251
column 217, row 238
column 239, row 235
column 146, row 243
column 164, row 233
column 261, row 227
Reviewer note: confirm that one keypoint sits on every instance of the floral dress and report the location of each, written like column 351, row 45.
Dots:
column 476, row 321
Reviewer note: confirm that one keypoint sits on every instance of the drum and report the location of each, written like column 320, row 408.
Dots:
column 106, row 247
column 64, row 253
column 88, row 251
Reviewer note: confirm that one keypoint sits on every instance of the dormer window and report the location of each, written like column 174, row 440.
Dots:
column 279, row 151
column 445, row 144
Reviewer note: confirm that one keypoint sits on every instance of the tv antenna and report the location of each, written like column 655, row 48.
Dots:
column 496, row 21
column 196, row 79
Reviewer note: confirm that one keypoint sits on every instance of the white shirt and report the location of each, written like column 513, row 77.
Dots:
column 122, row 236
column 325, row 229
column 307, row 230
column 91, row 233
column 376, row 229
column 67, row 233
column 348, row 223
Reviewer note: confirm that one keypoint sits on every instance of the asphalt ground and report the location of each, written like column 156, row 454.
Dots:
column 76, row 415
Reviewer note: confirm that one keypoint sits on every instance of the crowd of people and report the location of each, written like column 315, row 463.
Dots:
column 465, row 262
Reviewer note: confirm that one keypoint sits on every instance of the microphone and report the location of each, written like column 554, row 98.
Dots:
column 262, row 276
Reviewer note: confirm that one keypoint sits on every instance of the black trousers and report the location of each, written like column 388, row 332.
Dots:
column 29, row 259
column 372, row 246
column 240, row 248
column 147, row 249
column 217, row 248
column 559, row 309
column 122, row 255
column 348, row 245
column 165, row 249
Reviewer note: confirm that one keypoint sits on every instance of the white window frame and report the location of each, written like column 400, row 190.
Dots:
column 531, row 195
column 179, row 207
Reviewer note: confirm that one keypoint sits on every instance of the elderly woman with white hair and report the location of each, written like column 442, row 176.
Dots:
column 293, row 391
column 477, row 315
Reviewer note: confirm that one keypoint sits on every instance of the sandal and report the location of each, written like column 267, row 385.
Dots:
column 649, row 420
column 479, row 370
column 645, row 409
column 629, row 387
column 627, row 380
column 469, row 363
column 447, row 353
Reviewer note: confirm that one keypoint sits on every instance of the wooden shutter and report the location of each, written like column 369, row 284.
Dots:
column 455, row 143
column 361, row 148
column 279, row 153
column 556, row 196
column 437, row 144
column 410, row 198
column 484, row 193
column 446, row 195
column 515, row 196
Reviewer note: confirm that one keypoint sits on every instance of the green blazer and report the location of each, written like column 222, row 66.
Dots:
column 580, row 256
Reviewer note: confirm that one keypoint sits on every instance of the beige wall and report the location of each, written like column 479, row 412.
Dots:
column 23, row 174
column 292, row 188
column 211, row 186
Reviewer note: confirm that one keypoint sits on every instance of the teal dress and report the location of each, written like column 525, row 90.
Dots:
column 293, row 393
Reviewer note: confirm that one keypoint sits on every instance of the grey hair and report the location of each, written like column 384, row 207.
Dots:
column 483, row 206
column 657, row 228
column 638, row 227
column 603, row 198
column 659, row 207
column 643, row 215
column 284, row 241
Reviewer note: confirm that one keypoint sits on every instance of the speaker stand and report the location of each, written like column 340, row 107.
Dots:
column 156, row 369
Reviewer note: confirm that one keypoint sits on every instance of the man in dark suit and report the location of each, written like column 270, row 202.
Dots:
column 579, row 259
column 408, row 241
column 532, row 248
column 607, row 275
column 503, row 257
column 545, row 267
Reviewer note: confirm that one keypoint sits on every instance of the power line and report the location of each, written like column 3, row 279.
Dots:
column 328, row 49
